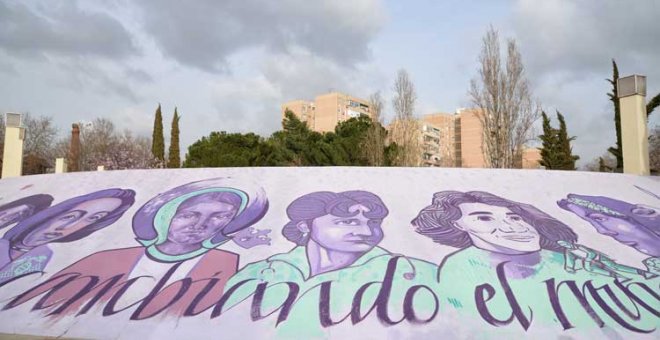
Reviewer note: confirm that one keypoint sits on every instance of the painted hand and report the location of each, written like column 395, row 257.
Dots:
column 251, row 237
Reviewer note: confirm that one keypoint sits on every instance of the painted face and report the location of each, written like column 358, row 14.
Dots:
column 13, row 215
column 347, row 234
column 69, row 222
column 622, row 230
column 497, row 228
column 199, row 222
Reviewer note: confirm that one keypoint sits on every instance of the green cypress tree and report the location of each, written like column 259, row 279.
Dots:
column 157, row 140
column 549, row 153
column 556, row 150
column 614, row 97
column 564, row 145
column 174, row 160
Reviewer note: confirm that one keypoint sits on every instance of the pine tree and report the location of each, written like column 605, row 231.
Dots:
column 174, row 160
column 564, row 145
column 157, row 140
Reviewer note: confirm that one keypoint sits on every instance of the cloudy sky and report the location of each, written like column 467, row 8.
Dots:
column 228, row 65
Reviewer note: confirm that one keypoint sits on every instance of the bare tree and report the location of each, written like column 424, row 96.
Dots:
column 604, row 163
column 102, row 145
column 405, row 131
column 502, row 93
column 374, row 142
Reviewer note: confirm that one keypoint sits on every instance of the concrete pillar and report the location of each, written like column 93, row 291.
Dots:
column 634, row 133
column 60, row 165
column 12, row 159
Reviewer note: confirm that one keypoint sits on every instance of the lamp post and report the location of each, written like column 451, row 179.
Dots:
column 634, row 134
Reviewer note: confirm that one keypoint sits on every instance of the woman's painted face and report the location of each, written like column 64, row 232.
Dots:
column 69, row 222
column 347, row 234
column 622, row 230
column 497, row 227
column 13, row 214
column 199, row 222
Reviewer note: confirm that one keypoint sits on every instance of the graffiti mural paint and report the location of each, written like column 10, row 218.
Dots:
column 24, row 248
column 513, row 261
column 20, row 209
column 336, row 257
column 634, row 225
column 184, row 224
column 320, row 258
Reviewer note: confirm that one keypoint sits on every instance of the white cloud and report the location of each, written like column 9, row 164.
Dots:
column 203, row 34
column 567, row 47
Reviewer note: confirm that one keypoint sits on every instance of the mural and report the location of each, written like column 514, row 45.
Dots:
column 184, row 223
column 220, row 251
column 20, row 209
column 24, row 248
column 635, row 225
column 513, row 252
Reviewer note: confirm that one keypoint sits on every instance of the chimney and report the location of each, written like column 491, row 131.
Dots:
column 74, row 149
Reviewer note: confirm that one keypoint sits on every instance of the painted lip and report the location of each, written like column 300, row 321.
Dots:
column 520, row 238
column 629, row 243
column 361, row 241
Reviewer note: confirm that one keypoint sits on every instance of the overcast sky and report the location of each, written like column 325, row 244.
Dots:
column 228, row 65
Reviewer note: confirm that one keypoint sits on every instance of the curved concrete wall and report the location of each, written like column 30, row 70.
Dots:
column 330, row 252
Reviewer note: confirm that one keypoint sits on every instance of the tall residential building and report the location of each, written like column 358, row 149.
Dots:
column 460, row 144
column 327, row 110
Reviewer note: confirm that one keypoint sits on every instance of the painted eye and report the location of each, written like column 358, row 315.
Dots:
column 68, row 217
column 348, row 222
column 185, row 216
column 97, row 217
column 485, row 218
column 515, row 218
column 643, row 211
column 599, row 218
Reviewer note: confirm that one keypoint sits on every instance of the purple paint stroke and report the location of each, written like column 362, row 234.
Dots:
column 16, row 234
column 32, row 205
column 257, row 206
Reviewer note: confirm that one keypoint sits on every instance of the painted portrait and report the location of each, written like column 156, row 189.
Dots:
column 24, row 248
column 336, row 237
column 20, row 209
column 179, row 231
column 508, row 244
column 634, row 225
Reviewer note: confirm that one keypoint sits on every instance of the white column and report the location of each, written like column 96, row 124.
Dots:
column 634, row 132
column 12, row 159
column 60, row 165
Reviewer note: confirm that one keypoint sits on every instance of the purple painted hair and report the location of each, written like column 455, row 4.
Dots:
column 36, row 221
column 36, row 203
column 223, row 197
column 255, row 208
column 614, row 208
column 316, row 204
column 437, row 220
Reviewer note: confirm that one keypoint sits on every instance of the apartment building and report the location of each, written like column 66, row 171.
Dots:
column 461, row 141
column 327, row 110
